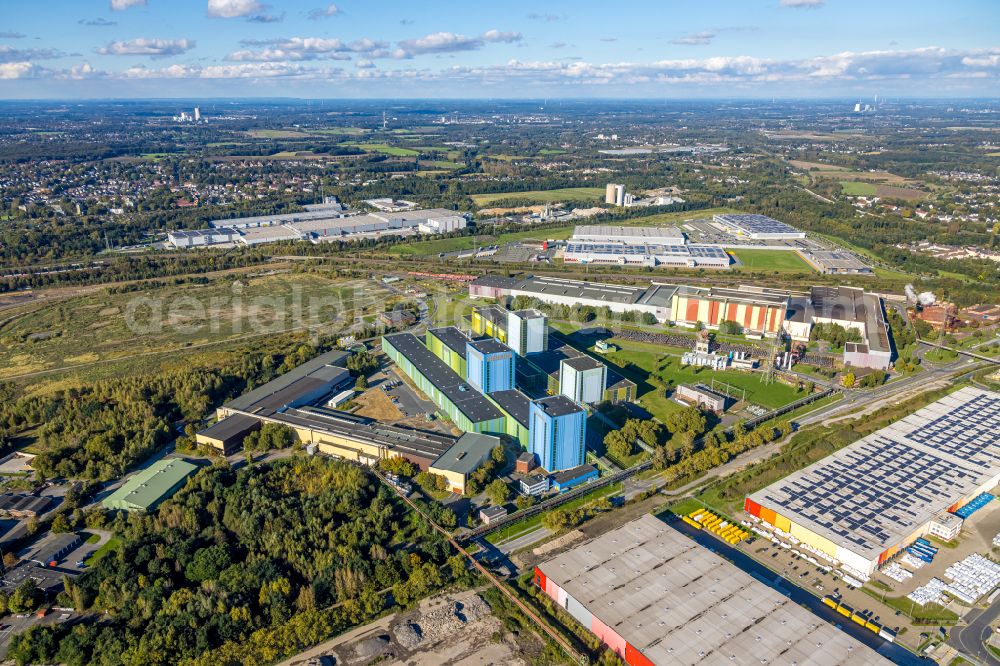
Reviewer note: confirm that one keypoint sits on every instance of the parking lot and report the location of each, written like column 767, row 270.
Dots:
column 976, row 537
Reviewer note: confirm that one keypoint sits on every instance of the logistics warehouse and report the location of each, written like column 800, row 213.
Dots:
column 864, row 504
column 654, row 596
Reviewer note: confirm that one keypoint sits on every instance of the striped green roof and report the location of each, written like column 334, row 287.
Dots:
column 144, row 490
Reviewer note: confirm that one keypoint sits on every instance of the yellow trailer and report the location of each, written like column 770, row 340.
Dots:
column 830, row 602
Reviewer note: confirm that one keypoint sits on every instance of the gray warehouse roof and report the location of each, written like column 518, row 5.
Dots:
column 466, row 454
column 247, row 401
column 52, row 547
column 452, row 338
column 578, row 289
column 870, row 495
column 488, row 346
column 582, row 362
column 469, row 401
column 514, row 403
column 678, row 603
column 558, row 405
column 231, row 426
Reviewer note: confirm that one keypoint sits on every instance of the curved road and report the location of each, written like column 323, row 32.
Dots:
column 970, row 638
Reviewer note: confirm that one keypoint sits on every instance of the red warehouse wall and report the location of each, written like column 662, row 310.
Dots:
column 635, row 658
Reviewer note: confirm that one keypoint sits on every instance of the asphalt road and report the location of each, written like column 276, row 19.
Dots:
column 969, row 639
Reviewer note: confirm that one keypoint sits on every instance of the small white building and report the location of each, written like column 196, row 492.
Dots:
column 534, row 485
column 946, row 527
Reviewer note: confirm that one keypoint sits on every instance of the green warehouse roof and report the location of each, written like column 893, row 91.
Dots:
column 144, row 490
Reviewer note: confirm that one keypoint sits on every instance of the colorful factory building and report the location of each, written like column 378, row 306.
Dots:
column 759, row 311
column 558, row 432
column 861, row 506
column 486, row 400
column 464, row 405
column 489, row 365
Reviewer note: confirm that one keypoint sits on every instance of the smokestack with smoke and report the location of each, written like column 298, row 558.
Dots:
column 923, row 298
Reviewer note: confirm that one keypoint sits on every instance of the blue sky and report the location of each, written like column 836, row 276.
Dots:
column 388, row 48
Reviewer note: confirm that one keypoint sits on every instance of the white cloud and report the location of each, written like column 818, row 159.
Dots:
column 97, row 22
column 309, row 48
column 10, row 54
column 17, row 70
column 695, row 39
column 944, row 69
column 450, row 42
column 156, row 48
column 495, row 36
column 807, row 4
column 234, row 8
column 323, row 12
column 122, row 5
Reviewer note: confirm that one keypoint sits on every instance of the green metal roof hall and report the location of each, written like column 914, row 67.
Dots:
column 144, row 490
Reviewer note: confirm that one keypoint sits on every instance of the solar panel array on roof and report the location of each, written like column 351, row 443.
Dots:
column 757, row 224
column 870, row 495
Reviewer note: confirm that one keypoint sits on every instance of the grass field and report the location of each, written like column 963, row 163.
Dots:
column 102, row 326
column 277, row 134
column 779, row 261
column 109, row 546
column 542, row 196
column 653, row 372
column 857, row 188
column 385, row 149
column 441, row 164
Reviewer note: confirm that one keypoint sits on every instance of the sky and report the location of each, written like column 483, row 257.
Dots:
column 76, row 49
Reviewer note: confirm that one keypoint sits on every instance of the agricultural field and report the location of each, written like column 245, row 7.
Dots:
column 441, row 164
column 857, row 188
column 385, row 149
column 105, row 326
column 780, row 261
column 542, row 196
column 277, row 134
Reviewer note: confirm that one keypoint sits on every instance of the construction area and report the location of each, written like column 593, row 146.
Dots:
column 455, row 628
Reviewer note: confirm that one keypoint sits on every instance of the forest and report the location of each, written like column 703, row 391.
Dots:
column 244, row 567
column 99, row 430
